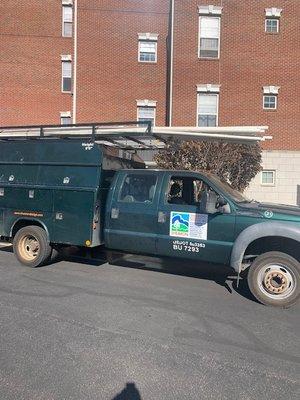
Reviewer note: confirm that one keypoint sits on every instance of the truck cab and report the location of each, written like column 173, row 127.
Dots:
column 169, row 213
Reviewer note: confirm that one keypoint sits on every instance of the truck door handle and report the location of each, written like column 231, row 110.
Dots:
column 162, row 217
column 114, row 213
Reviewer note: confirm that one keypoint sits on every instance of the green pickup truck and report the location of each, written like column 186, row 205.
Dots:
column 57, row 191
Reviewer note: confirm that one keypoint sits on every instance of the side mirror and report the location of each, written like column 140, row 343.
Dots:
column 221, row 202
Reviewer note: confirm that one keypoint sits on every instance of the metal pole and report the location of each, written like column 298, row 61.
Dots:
column 74, row 112
column 171, row 62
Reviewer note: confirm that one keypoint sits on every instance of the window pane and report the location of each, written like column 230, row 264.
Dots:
column 68, row 28
column 138, row 188
column 208, row 104
column 147, row 51
column 207, row 120
column 148, row 46
column 67, row 69
column 270, row 102
column 147, row 57
column 68, row 14
column 65, row 120
column 272, row 25
column 146, row 113
column 209, row 27
column 209, row 44
column 268, row 177
column 67, row 84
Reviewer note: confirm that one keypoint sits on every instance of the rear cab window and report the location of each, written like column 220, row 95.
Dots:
column 138, row 188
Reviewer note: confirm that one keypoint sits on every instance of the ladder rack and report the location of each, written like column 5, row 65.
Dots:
column 134, row 135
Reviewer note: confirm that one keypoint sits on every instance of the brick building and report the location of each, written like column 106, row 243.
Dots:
column 180, row 63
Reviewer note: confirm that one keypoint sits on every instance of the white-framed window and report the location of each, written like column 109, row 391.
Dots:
column 146, row 113
column 268, row 177
column 66, row 84
column 65, row 118
column 270, row 102
column 272, row 25
column 209, row 36
column 207, row 109
column 67, row 20
column 147, row 47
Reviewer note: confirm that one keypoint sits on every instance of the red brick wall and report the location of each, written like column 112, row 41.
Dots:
column 249, row 60
column 30, row 62
column 110, row 78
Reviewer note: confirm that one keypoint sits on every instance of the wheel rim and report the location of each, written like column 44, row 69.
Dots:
column 276, row 281
column 29, row 247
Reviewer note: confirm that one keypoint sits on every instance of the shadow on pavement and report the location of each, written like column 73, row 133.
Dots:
column 130, row 392
column 220, row 274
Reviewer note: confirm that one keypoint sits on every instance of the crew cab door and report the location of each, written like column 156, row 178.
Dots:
column 184, row 230
column 131, row 212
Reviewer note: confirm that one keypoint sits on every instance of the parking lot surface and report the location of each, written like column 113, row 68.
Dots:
column 141, row 329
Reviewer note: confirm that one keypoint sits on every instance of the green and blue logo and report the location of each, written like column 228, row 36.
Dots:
column 179, row 224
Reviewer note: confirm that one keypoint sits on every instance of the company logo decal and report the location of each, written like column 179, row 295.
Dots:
column 188, row 225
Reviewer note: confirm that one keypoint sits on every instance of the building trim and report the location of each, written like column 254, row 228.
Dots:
column 271, row 89
column 273, row 12
column 208, row 88
column 66, row 57
column 146, row 103
column 152, row 37
column 210, row 10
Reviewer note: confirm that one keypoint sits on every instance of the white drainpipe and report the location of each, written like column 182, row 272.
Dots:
column 74, row 112
column 171, row 63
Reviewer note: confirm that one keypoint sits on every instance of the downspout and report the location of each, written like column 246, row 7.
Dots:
column 171, row 62
column 74, row 111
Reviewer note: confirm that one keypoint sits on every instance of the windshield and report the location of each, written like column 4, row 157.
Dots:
column 224, row 186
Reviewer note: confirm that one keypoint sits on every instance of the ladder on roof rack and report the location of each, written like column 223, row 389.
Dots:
column 132, row 135
column 136, row 135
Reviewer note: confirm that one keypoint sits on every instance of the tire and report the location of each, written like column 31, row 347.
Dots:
column 274, row 279
column 31, row 246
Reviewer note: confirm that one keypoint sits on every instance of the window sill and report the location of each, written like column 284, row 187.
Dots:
column 147, row 62
column 208, row 59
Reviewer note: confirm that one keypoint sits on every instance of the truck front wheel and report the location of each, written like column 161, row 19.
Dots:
column 274, row 279
column 31, row 246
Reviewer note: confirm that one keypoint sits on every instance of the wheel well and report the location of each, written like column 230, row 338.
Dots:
column 274, row 243
column 24, row 222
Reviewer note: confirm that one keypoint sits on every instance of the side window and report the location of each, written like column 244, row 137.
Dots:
column 192, row 192
column 138, row 188
column 186, row 190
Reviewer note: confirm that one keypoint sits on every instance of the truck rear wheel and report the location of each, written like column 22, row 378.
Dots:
column 31, row 246
column 274, row 279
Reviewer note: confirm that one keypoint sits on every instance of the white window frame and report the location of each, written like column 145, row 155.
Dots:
column 146, row 105
column 147, row 38
column 272, row 19
column 66, row 59
column 64, row 6
column 199, row 37
column 198, row 102
column 266, row 183
column 270, row 95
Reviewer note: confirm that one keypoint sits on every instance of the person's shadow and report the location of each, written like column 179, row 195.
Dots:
column 130, row 392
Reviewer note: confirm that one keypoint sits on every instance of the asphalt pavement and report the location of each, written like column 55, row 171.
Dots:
column 141, row 329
